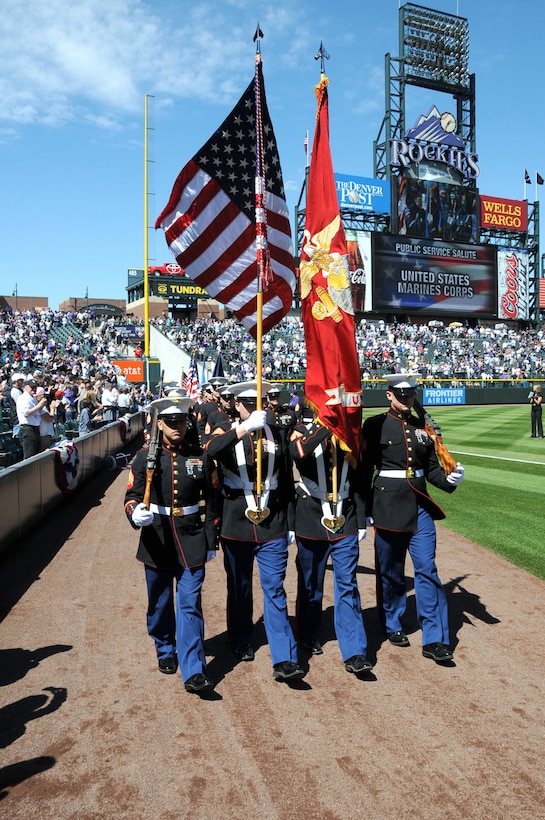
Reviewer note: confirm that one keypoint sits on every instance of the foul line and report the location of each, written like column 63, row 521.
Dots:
column 498, row 458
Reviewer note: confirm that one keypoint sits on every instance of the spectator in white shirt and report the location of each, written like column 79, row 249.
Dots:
column 29, row 412
column 109, row 402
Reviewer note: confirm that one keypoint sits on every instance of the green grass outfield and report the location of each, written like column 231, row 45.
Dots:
column 500, row 503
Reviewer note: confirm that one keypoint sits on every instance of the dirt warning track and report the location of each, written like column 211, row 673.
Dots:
column 90, row 729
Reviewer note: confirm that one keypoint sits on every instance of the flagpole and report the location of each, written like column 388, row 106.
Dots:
column 261, row 251
column 334, row 470
column 322, row 55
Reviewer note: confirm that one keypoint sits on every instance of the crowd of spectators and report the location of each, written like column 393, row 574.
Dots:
column 73, row 370
column 78, row 362
column 437, row 351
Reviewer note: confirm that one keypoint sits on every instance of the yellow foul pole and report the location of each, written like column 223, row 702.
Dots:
column 146, row 224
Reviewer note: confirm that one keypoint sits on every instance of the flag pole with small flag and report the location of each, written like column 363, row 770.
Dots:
column 527, row 181
column 218, row 367
column 191, row 380
column 539, row 181
column 332, row 383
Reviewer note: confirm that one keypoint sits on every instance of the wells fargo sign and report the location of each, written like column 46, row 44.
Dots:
column 503, row 214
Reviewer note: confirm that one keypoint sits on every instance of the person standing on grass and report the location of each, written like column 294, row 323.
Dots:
column 398, row 457
column 536, row 400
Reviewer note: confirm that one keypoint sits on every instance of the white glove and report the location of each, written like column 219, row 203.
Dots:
column 370, row 521
column 457, row 476
column 362, row 534
column 291, row 537
column 210, row 555
column 141, row 516
column 255, row 421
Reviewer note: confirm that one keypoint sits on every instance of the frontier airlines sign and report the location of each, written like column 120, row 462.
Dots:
column 442, row 145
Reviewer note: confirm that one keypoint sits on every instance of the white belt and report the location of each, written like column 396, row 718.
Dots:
column 157, row 508
column 238, row 484
column 312, row 489
column 408, row 473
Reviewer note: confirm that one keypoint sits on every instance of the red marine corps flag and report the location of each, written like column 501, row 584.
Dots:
column 332, row 384
column 212, row 225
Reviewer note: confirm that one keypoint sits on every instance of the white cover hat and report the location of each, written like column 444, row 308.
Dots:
column 248, row 390
column 171, row 406
column 401, row 381
column 175, row 391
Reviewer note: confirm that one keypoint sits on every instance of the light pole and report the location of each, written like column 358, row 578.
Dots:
column 16, row 294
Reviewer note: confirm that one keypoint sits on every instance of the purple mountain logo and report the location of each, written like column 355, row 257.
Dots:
column 436, row 127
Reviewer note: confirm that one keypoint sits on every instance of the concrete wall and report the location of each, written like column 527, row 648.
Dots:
column 28, row 490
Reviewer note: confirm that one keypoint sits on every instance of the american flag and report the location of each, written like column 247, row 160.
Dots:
column 191, row 381
column 210, row 219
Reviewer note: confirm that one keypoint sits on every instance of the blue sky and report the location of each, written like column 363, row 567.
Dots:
column 72, row 84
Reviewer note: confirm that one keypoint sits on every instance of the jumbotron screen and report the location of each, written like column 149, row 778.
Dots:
column 433, row 277
column 437, row 210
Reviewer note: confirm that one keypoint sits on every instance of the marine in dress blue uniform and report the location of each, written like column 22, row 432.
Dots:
column 209, row 406
column 328, row 526
column 178, row 533
column 398, row 458
column 255, row 526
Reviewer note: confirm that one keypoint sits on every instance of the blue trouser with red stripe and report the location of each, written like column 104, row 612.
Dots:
column 174, row 617
column 312, row 557
column 431, row 602
column 272, row 561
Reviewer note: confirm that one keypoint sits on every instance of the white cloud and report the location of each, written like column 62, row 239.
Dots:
column 97, row 58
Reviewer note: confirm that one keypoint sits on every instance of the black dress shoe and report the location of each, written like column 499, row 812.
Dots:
column 313, row 646
column 198, row 683
column 287, row 670
column 399, row 639
column 437, row 652
column 245, row 653
column 358, row 664
column 167, row 666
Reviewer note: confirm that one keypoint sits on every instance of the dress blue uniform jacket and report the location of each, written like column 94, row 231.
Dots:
column 308, row 510
column 392, row 441
column 235, row 524
column 183, row 477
